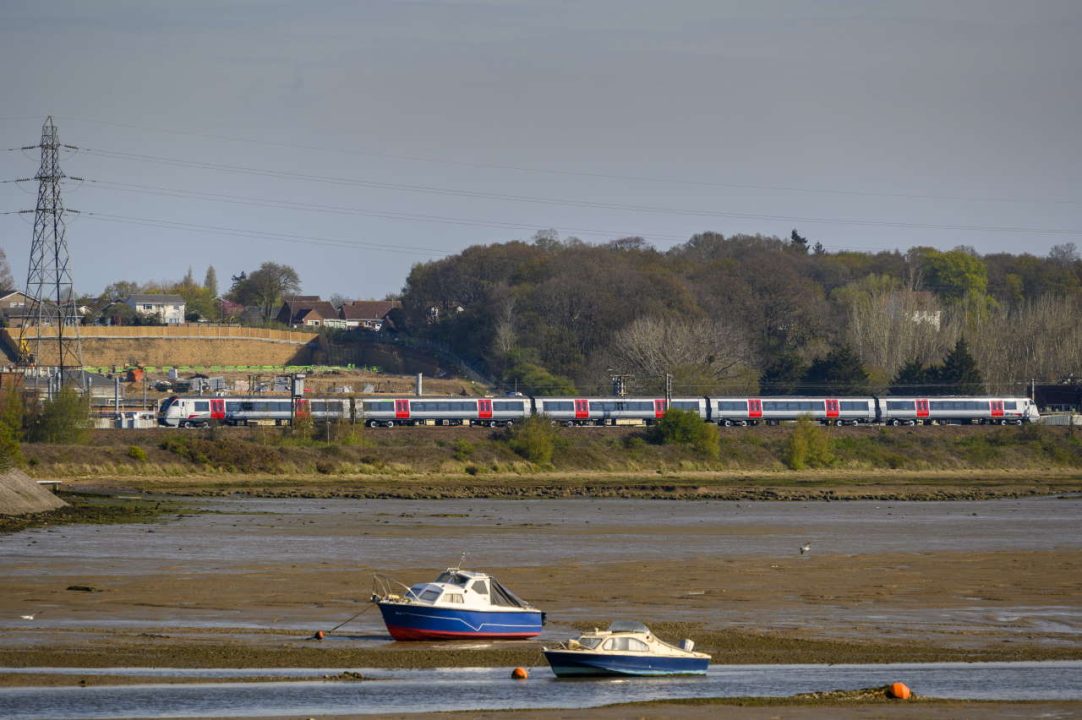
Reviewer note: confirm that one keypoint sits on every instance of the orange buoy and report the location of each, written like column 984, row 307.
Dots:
column 319, row 635
column 520, row 673
column 900, row 691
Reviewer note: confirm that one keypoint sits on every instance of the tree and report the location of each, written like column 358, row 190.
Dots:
column 7, row 282
column 798, row 242
column 911, row 379
column 959, row 374
column 64, row 419
column 11, row 427
column 956, row 274
column 266, row 287
column 210, row 281
column 685, row 427
column 839, row 373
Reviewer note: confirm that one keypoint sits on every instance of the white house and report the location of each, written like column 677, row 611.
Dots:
column 169, row 309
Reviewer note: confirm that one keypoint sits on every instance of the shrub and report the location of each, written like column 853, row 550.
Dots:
column 535, row 439
column 137, row 453
column 11, row 425
column 809, row 445
column 685, row 427
column 463, row 450
column 64, row 419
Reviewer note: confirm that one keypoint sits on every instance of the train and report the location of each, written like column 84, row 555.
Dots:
column 179, row 411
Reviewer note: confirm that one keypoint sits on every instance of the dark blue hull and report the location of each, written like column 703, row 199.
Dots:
column 581, row 664
column 420, row 622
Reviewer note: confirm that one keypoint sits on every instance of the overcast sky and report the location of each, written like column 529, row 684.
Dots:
column 354, row 139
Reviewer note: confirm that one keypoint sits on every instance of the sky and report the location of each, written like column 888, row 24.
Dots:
column 352, row 140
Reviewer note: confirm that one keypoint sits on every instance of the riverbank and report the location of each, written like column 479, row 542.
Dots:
column 349, row 455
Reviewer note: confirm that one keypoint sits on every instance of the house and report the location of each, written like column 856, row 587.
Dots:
column 309, row 311
column 14, row 306
column 368, row 314
column 168, row 309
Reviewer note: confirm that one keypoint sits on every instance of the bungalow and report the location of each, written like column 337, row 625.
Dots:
column 14, row 306
column 308, row 311
column 169, row 309
column 368, row 314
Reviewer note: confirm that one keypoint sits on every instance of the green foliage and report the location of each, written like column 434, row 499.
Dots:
column 137, row 453
column 533, row 379
column 958, row 375
column 955, row 274
column 685, row 427
column 464, row 449
column 839, row 373
column 809, row 445
column 62, row 420
column 910, row 379
column 266, row 287
column 535, row 439
column 11, row 426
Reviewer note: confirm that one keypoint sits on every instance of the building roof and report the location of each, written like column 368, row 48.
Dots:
column 156, row 299
column 297, row 308
column 368, row 309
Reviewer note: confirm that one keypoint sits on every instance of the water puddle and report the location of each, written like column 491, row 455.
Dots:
column 470, row 689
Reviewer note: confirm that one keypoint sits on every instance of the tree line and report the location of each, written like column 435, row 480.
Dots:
column 751, row 314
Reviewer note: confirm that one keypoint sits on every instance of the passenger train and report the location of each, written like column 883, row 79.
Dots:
column 575, row 411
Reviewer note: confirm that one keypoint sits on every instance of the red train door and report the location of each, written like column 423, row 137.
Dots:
column 484, row 408
column 659, row 409
column 301, row 408
column 997, row 408
column 922, row 408
column 755, row 408
column 401, row 409
column 582, row 409
column 833, row 408
column 217, row 409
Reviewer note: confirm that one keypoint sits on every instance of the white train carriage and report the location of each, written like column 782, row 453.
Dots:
column 830, row 411
column 613, row 411
column 957, row 410
column 202, row 411
column 443, row 411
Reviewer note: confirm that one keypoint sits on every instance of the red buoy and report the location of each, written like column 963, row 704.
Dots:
column 900, row 691
column 319, row 635
column 520, row 673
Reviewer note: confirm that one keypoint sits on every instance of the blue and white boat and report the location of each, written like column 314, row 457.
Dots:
column 625, row 649
column 460, row 604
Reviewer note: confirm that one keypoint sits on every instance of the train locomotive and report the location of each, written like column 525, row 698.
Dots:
column 178, row 411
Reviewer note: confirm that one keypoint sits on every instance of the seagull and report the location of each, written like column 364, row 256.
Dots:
column 805, row 548
column 31, row 616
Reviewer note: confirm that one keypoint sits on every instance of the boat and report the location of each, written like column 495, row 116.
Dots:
column 625, row 649
column 459, row 604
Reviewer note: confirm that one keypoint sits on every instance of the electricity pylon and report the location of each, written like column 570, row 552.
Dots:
column 49, row 285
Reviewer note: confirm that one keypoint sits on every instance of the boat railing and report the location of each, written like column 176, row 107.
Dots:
column 386, row 588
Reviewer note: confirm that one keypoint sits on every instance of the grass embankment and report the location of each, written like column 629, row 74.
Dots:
column 455, row 462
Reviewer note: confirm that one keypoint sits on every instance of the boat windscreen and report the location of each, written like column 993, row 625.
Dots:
column 453, row 578
column 499, row 595
column 628, row 626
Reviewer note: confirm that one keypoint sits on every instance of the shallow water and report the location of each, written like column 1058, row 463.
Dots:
column 491, row 689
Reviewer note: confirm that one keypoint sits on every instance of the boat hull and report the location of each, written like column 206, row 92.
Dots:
column 421, row 622
column 584, row 664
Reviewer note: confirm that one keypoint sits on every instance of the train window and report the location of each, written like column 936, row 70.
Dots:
column 683, row 405
column 379, row 405
column 1010, row 405
column 202, row 405
column 559, row 405
column 853, row 405
column 899, row 404
column 232, row 407
column 733, row 405
column 507, row 406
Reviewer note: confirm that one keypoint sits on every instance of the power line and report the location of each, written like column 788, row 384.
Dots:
column 285, row 237
column 338, row 150
column 338, row 209
column 569, row 202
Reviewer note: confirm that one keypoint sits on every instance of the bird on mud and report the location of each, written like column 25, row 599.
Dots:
column 31, row 616
column 805, row 548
